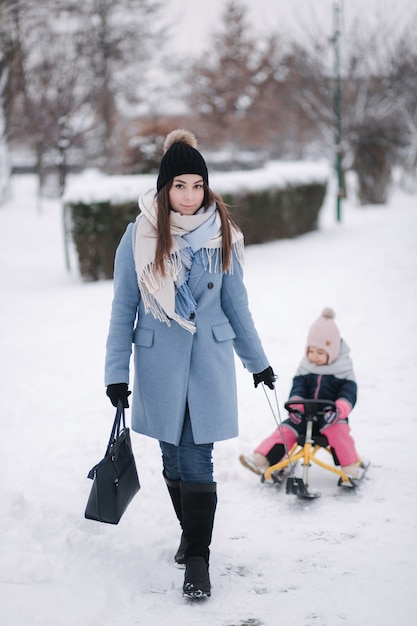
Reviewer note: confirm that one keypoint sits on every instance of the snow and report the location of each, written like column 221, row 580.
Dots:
column 91, row 186
column 345, row 559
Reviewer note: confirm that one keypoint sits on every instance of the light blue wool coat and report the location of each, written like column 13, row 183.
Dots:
column 173, row 367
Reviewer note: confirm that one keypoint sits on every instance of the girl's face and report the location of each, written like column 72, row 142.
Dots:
column 186, row 194
column 317, row 356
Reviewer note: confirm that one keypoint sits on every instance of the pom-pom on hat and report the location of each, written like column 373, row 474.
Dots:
column 180, row 157
column 325, row 334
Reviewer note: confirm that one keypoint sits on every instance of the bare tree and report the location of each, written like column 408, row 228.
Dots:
column 73, row 72
column 10, row 78
column 121, row 39
column 375, row 108
column 6, row 46
column 374, row 125
column 281, row 94
column 403, row 76
column 225, row 85
column 48, row 100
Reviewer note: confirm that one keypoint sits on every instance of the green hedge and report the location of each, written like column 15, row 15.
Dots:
column 277, row 213
column 97, row 228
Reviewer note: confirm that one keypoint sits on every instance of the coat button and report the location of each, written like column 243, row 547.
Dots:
column 192, row 316
column 210, row 285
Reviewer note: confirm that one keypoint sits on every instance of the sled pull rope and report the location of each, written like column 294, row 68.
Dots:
column 278, row 421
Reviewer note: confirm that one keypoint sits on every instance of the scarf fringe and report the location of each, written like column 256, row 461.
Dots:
column 190, row 326
column 153, row 281
column 152, row 306
column 213, row 257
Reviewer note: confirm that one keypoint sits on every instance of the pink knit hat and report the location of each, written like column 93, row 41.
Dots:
column 325, row 334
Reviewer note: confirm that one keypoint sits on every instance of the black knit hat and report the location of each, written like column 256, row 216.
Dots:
column 181, row 157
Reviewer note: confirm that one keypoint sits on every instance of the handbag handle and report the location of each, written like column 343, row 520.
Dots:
column 115, row 431
column 114, row 436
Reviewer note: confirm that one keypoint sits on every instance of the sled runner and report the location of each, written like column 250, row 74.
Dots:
column 306, row 450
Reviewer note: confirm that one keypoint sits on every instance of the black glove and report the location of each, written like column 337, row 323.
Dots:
column 118, row 391
column 267, row 376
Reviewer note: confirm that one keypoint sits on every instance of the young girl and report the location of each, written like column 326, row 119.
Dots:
column 325, row 372
column 179, row 297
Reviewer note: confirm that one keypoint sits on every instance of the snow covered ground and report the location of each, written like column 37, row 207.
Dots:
column 345, row 559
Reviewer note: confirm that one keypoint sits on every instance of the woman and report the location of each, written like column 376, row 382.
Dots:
column 180, row 299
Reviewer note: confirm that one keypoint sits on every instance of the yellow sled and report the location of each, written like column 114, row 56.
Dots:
column 305, row 450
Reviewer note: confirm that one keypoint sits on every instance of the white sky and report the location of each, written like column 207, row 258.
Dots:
column 195, row 20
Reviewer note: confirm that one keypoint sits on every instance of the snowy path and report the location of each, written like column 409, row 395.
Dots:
column 343, row 560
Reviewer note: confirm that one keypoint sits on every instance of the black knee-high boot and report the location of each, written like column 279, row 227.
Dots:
column 174, row 489
column 198, row 505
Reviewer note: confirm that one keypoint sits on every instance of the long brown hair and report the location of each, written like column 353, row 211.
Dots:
column 163, row 246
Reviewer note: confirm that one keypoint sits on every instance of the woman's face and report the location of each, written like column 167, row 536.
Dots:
column 186, row 194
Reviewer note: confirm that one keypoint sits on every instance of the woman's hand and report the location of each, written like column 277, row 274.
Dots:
column 267, row 376
column 118, row 391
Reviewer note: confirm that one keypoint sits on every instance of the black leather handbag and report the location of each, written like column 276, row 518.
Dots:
column 115, row 477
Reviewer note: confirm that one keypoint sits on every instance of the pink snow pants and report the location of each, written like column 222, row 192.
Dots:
column 338, row 436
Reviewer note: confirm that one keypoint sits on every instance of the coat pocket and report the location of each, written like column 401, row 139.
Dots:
column 143, row 337
column 223, row 332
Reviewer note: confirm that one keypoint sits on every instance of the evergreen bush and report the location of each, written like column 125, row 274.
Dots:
column 277, row 213
column 96, row 230
column 265, row 215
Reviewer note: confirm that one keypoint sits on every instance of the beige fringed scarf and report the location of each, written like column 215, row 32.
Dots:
column 159, row 292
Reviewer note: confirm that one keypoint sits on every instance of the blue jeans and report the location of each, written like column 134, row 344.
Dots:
column 188, row 462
